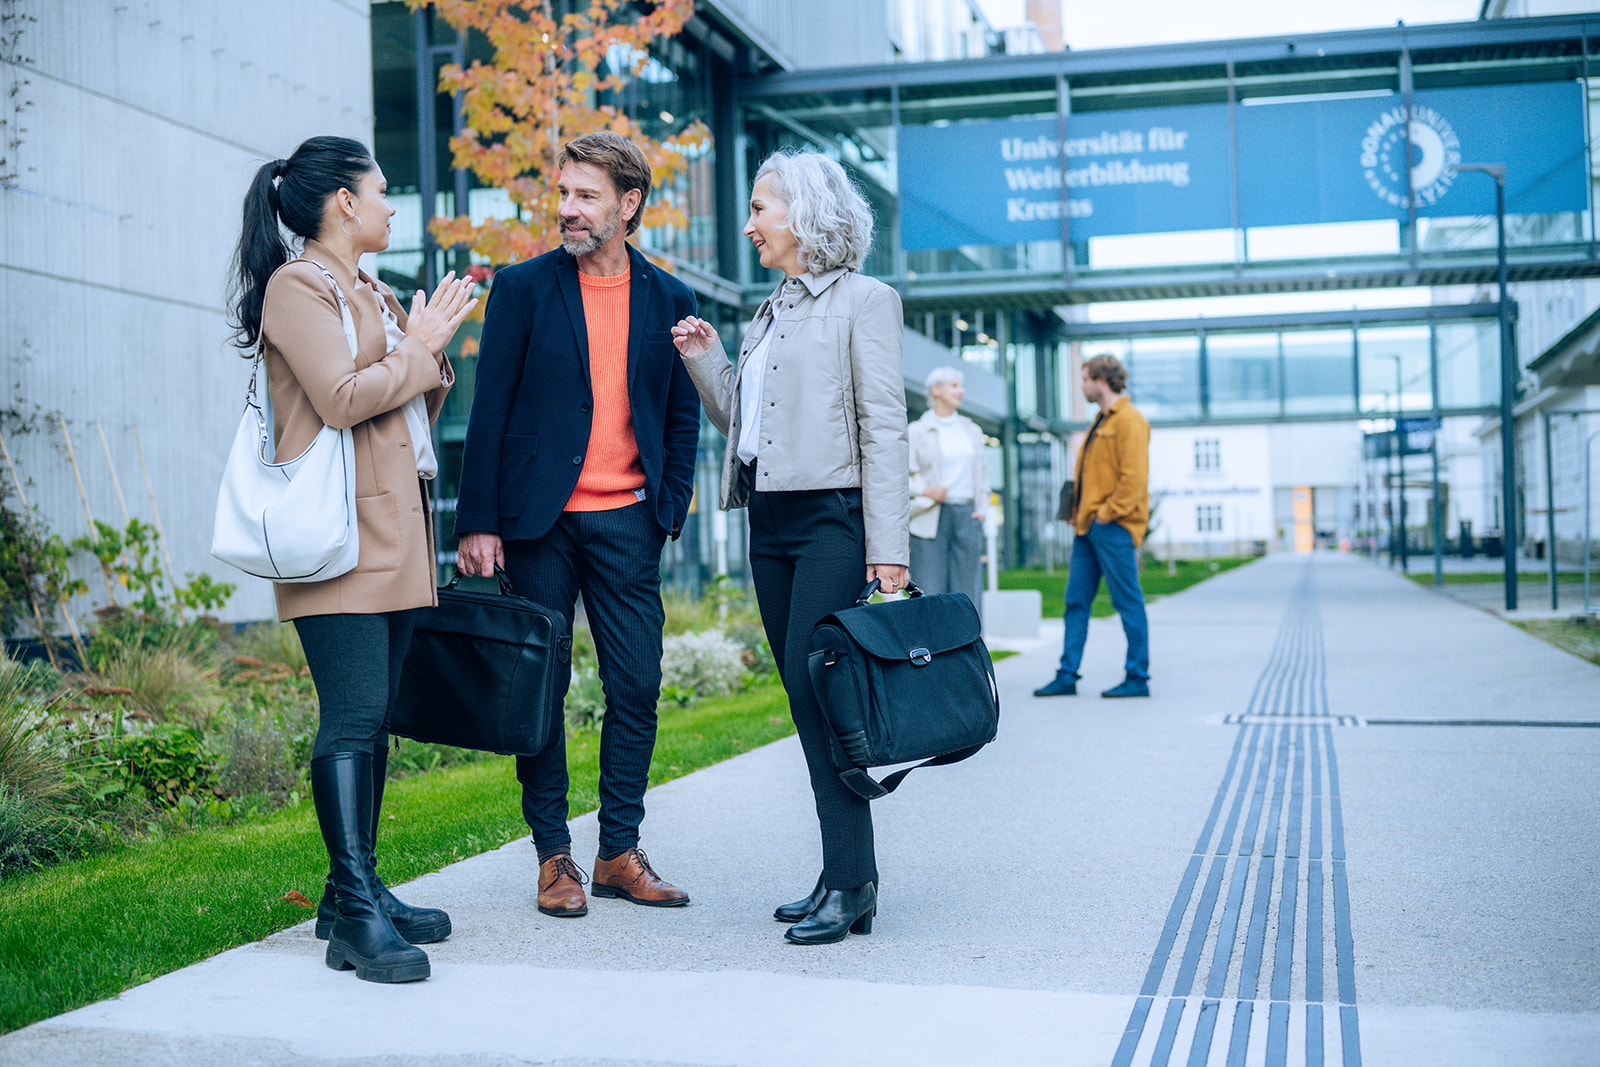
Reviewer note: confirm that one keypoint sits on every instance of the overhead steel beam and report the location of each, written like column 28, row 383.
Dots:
column 1530, row 38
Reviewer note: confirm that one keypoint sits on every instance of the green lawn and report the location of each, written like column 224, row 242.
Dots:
column 1421, row 572
column 89, row 929
column 1582, row 639
column 1153, row 579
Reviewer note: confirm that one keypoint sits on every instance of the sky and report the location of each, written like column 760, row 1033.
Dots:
column 1098, row 24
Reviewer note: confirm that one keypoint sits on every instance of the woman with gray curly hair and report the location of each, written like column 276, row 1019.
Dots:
column 814, row 409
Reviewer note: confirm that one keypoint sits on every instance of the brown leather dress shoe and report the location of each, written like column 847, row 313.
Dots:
column 561, row 888
column 631, row 877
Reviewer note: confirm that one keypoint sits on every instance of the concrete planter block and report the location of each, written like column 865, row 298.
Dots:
column 1011, row 613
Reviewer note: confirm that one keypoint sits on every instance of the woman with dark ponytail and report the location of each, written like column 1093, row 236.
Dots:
column 331, row 195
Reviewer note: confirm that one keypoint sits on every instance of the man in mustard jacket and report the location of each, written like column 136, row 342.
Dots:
column 1110, row 509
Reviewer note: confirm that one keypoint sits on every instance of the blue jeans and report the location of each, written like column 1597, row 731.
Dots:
column 1107, row 549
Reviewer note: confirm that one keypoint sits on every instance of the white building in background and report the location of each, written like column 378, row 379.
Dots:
column 1211, row 491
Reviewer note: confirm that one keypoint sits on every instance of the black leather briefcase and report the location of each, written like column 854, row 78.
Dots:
column 903, row 680
column 485, row 671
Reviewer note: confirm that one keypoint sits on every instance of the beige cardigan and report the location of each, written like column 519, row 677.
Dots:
column 926, row 460
column 314, row 382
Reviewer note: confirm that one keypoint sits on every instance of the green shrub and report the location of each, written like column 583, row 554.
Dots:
column 419, row 757
column 698, row 665
column 33, row 834
column 264, row 753
column 170, row 762
column 121, row 630
column 27, row 765
column 169, row 679
column 586, row 699
column 272, row 643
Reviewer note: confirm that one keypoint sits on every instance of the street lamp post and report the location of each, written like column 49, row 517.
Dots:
column 1508, row 385
column 1388, row 475
column 1397, row 442
column 1588, row 607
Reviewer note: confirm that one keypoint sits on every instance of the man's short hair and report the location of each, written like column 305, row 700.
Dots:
column 1108, row 369
column 618, row 157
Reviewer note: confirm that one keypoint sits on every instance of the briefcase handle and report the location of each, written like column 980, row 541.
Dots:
column 506, row 588
column 911, row 590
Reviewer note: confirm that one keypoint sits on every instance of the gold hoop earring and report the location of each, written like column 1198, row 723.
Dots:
column 350, row 233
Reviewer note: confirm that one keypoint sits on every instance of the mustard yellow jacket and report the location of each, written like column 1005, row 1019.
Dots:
column 1113, row 482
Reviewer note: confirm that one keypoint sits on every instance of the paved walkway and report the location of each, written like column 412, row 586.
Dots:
column 1355, row 824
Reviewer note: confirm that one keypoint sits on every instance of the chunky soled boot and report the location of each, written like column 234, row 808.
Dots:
column 361, row 936
column 841, row 911
column 419, row 926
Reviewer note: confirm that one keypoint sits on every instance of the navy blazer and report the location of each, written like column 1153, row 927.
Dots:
column 532, row 408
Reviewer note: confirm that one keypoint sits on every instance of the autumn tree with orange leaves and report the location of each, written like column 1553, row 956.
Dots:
column 542, row 89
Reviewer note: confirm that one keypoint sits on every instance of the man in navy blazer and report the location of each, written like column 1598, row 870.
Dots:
column 578, row 465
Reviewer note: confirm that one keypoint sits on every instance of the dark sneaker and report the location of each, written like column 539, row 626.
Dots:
column 1057, row 688
column 1130, row 687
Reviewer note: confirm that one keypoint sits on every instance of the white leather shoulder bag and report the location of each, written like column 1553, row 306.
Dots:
column 293, row 521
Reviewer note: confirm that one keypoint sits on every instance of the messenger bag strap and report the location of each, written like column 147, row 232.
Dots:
column 856, row 779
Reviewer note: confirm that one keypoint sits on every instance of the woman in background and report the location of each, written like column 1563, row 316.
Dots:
column 356, row 627
column 949, row 490
column 815, row 416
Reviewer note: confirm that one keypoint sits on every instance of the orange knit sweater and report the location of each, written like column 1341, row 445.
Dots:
column 612, row 473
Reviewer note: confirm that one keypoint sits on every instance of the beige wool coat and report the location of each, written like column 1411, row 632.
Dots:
column 315, row 382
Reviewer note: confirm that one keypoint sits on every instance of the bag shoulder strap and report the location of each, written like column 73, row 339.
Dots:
column 344, row 307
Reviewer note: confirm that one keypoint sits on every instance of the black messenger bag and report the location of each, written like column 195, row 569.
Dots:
column 484, row 671
column 900, row 681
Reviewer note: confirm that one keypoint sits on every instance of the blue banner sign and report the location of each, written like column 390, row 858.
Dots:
column 1146, row 171
column 1345, row 160
column 1162, row 170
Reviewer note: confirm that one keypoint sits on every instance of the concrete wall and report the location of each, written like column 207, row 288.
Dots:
column 145, row 121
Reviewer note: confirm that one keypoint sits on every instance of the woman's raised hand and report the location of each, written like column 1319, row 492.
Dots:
column 434, row 322
column 694, row 337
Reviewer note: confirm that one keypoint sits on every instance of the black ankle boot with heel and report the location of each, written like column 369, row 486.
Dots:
column 793, row 913
column 360, row 936
column 840, row 911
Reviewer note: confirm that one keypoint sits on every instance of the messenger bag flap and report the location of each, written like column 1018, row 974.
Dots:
column 914, row 629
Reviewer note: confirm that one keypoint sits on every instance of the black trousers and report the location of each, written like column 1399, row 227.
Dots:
column 613, row 558
column 808, row 558
column 355, row 663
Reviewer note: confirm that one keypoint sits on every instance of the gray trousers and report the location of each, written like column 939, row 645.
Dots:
column 948, row 562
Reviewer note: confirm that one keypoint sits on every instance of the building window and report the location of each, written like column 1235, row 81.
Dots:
column 1207, row 454
column 1208, row 518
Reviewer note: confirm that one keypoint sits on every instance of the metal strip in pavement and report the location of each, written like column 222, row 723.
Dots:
column 1557, row 723
column 1287, row 721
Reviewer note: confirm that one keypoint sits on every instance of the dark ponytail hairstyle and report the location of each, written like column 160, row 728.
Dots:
column 294, row 191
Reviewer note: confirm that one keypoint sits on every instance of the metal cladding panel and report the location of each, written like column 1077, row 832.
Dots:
column 145, row 123
column 811, row 34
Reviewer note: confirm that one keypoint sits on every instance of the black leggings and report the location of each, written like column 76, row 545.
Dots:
column 355, row 662
column 807, row 559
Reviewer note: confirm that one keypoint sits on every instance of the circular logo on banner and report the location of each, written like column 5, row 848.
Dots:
column 1429, row 165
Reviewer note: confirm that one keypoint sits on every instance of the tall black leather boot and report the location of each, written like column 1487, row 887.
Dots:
column 361, row 937
column 419, row 926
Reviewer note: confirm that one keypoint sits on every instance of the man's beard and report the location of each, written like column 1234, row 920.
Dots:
column 598, row 236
